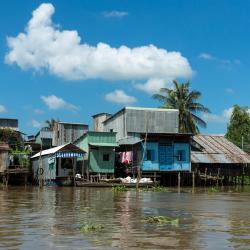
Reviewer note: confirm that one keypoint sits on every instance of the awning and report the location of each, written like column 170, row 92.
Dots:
column 129, row 141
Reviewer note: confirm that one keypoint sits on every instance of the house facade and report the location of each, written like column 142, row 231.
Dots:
column 100, row 151
column 152, row 135
column 56, row 164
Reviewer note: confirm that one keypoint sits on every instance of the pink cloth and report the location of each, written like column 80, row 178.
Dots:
column 126, row 157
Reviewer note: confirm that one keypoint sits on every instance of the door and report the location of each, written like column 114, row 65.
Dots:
column 166, row 156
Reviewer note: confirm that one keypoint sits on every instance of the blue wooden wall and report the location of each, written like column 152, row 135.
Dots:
column 168, row 156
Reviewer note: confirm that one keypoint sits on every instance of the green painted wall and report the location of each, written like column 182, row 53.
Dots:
column 95, row 154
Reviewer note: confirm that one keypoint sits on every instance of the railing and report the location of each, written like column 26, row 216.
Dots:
column 17, row 169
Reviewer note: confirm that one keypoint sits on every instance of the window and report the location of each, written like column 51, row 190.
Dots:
column 150, row 155
column 105, row 157
column 181, row 155
column 111, row 130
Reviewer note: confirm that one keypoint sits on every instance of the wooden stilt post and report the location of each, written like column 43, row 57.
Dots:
column 206, row 177
column 193, row 180
column 74, row 171
column 179, row 182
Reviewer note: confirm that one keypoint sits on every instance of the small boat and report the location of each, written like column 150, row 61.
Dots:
column 114, row 184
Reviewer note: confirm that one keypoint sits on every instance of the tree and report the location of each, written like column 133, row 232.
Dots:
column 186, row 101
column 238, row 129
column 50, row 123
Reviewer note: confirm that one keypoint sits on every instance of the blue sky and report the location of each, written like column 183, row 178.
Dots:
column 60, row 76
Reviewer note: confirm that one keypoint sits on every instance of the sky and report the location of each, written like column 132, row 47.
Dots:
column 69, row 60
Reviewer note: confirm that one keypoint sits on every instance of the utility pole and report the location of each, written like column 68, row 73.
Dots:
column 40, row 168
column 143, row 155
column 242, row 142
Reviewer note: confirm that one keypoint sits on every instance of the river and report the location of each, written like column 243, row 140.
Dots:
column 52, row 218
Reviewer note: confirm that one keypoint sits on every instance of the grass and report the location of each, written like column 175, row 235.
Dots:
column 88, row 228
column 162, row 220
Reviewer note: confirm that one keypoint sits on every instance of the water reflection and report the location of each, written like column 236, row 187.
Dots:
column 51, row 218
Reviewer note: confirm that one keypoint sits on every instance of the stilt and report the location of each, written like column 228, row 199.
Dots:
column 74, row 171
column 193, row 181
column 205, row 177
column 25, row 179
column 179, row 182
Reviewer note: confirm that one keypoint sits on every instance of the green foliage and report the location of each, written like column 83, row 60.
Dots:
column 239, row 126
column 120, row 189
column 10, row 136
column 155, row 189
column 87, row 228
column 213, row 190
column 162, row 220
column 186, row 101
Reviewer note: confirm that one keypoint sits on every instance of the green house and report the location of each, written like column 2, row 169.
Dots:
column 100, row 148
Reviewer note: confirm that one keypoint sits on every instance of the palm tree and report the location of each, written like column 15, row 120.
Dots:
column 50, row 123
column 186, row 101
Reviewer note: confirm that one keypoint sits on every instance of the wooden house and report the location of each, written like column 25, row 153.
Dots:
column 56, row 165
column 214, row 155
column 100, row 151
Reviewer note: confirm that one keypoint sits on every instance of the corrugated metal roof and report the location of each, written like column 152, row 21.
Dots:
column 103, row 144
column 217, row 149
column 56, row 149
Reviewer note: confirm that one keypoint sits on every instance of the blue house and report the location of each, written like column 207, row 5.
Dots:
column 151, row 134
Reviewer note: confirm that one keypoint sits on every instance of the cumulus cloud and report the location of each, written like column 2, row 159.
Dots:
column 36, row 124
column 119, row 96
column 54, row 103
column 43, row 46
column 115, row 13
column 2, row 109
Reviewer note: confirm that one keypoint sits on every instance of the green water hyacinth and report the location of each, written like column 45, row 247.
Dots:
column 87, row 228
column 162, row 220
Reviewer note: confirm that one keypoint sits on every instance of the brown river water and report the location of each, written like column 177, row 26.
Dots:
column 51, row 218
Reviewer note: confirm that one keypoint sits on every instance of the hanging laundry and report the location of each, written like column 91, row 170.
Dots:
column 127, row 157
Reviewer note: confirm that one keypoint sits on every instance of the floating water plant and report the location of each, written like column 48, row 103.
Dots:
column 213, row 190
column 162, row 220
column 87, row 228
column 154, row 189
column 119, row 188
column 159, row 189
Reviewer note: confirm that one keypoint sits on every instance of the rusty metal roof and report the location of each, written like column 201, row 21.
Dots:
column 217, row 149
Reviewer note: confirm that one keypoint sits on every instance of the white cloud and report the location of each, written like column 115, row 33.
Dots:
column 152, row 85
column 115, row 13
column 119, row 96
column 38, row 111
column 229, row 90
column 2, row 109
column 43, row 46
column 206, row 56
column 54, row 103
column 36, row 124
column 224, row 117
